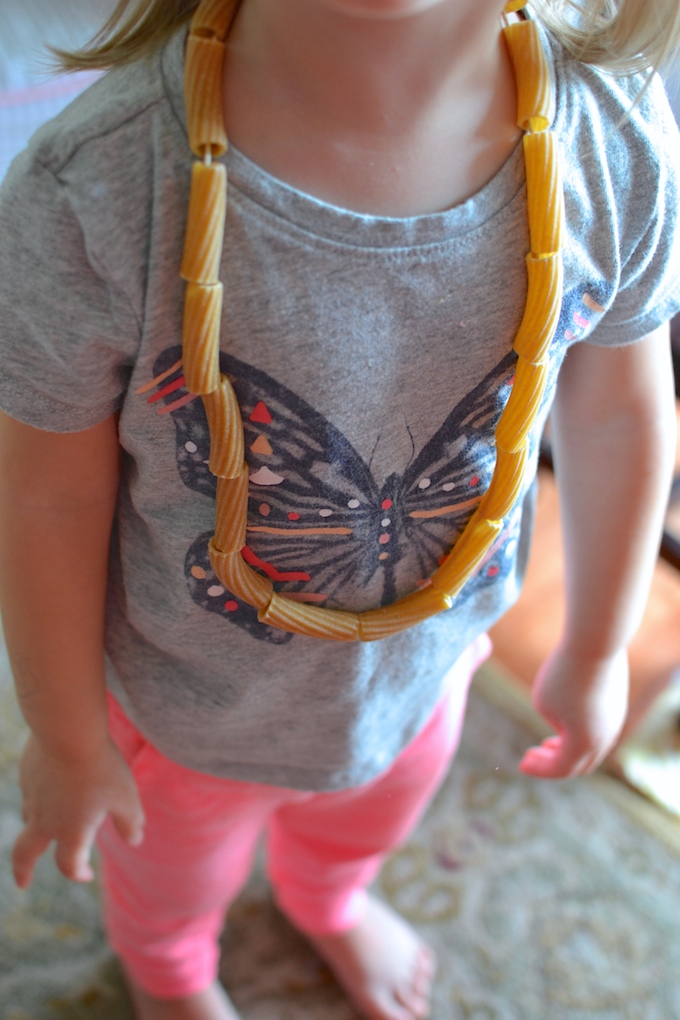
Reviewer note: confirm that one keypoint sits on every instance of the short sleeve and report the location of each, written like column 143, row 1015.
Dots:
column 68, row 334
column 647, row 211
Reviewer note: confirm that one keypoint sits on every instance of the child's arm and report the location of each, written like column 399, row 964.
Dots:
column 614, row 444
column 57, row 500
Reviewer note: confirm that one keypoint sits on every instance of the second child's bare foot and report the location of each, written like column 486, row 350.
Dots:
column 210, row 1004
column 382, row 964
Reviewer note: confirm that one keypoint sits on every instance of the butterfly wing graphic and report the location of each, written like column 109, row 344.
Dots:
column 319, row 525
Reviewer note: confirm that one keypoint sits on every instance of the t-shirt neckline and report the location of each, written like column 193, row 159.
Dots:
column 254, row 184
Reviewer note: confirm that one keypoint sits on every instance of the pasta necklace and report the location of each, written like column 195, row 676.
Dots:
column 201, row 341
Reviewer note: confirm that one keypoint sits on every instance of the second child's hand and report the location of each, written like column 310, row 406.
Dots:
column 585, row 700
column 66, row 801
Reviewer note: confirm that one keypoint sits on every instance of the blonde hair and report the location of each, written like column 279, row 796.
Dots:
column 618, row 35
column 624, row 36
column 136, row 28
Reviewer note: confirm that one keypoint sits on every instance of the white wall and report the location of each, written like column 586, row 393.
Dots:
column 26, row 25
column 672, row 81
column 29, row 95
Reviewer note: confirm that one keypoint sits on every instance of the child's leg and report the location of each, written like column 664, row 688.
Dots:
column 325, row 849
column 324, row 852
column 165, row 901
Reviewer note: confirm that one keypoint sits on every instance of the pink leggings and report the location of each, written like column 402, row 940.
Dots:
column 165, row 901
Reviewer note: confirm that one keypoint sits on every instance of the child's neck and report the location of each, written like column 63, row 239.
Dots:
column 392, row 117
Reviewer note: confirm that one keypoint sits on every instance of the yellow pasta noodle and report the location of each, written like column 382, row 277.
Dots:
column 534, row 85
column 311, row 621
column 204, row 61
column 226, row 431
column 466, row 555
column 205, row 224
column 241, row 580
column 213, row 17
column 232, row 512
column 521, row 409
column 201, row 337
column 543, row 307
column 506, row 484
column 375, row 624
column 544, row 193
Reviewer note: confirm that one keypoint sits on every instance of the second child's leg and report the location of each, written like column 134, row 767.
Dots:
column 324, row 852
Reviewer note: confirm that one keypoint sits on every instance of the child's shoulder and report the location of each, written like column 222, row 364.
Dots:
column 113, row 115
column 620, row 147
column 620, row 158
column 617, row 111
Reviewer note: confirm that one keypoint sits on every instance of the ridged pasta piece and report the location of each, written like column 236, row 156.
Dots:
column 205, row 224
column 312, row 621
column 201, row 336
column 375, row 624
column 466, row 555
column 241, row 580
column 231, row 512
column 226, row 431
column 543, row 307
column 532, row 75
column 522, row 407
column 213, row 17
column 514, row 5
column 544, row 193
column 204, row 61
column 506, row 483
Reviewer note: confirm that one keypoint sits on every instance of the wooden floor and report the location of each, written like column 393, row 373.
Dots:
column 524, row 637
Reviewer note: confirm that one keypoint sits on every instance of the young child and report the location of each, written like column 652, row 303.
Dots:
column 374, row 282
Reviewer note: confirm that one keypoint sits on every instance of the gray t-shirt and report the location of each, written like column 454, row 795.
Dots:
column 372, row 358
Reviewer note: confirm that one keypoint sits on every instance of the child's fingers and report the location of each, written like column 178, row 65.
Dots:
column 555, row 758
column 551, row 741
column 29, row 845
column 538, row 761
column 73, row 859
column 130, row 826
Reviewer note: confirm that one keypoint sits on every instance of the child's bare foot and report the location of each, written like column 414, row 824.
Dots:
column 382, row 964
column 210, row 1004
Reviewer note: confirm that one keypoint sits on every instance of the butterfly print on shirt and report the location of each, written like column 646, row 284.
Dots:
column 318, row 523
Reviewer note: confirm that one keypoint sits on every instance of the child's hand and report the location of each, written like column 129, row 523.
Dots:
column 67, row 801
column 586, row 701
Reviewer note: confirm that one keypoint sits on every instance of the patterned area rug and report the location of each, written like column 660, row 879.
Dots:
column 556, row 901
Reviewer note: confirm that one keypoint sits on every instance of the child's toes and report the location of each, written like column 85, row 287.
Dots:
column 415, row 995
